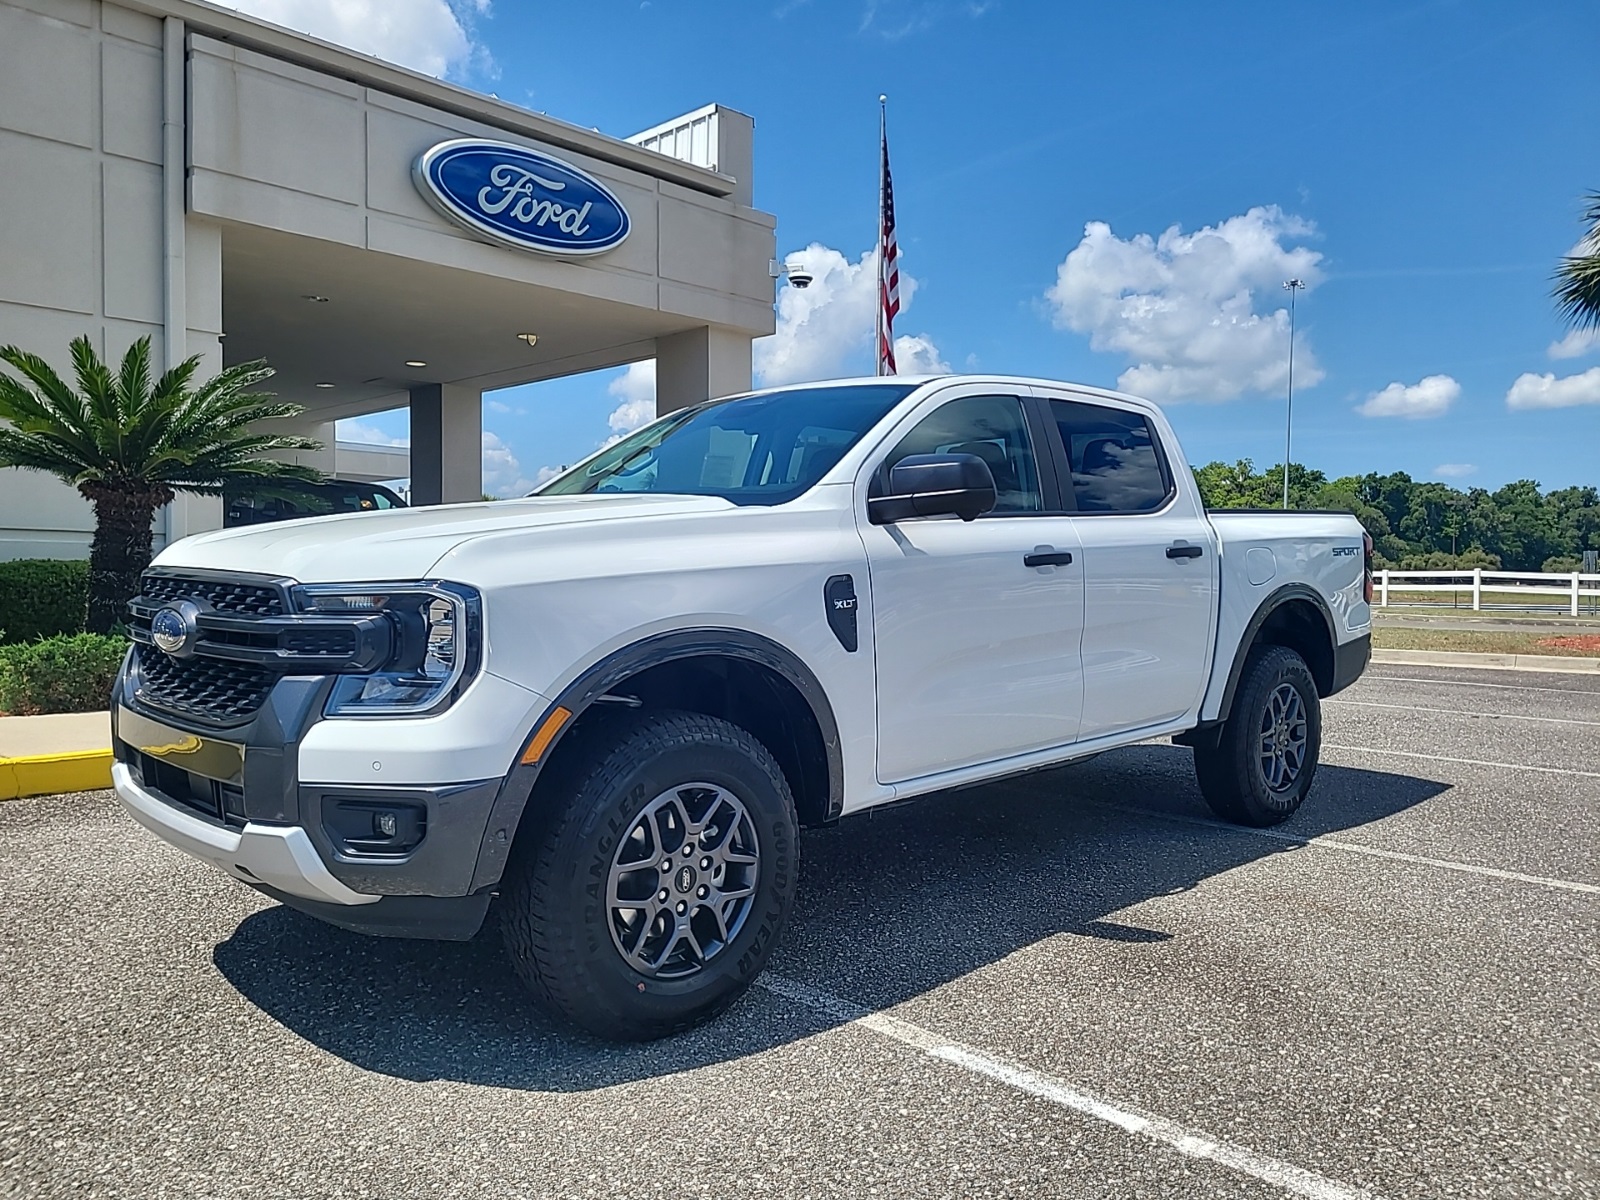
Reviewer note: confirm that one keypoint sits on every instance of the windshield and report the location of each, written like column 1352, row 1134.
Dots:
column 764, row 449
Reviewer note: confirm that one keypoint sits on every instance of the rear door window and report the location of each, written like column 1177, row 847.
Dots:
column 1114, row 457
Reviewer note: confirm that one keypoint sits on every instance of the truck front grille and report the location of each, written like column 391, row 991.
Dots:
column 217, row 801
column 208, row 689
column 224, row 595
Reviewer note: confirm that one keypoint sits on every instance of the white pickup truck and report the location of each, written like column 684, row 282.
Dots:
column 609, row 708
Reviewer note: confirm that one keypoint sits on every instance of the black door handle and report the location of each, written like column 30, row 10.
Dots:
column 1184, row 551
column 1052, row 558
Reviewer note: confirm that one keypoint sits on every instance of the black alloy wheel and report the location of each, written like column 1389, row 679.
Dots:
column 1264, row 758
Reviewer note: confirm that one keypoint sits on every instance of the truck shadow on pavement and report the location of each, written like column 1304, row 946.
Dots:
column 891, row 905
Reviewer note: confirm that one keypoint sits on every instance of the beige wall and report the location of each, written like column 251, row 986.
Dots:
column 81, row 240
column 689, row 254
column 270, row 143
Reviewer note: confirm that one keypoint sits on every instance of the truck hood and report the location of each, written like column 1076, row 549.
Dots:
column 403, row 543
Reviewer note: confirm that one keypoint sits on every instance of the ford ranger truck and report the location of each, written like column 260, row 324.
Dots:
column 607, row 710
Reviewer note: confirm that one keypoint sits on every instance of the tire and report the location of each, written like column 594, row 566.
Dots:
column 1244, row 777
column 656, row 796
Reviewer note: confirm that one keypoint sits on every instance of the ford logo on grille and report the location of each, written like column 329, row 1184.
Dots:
column 520, row 197
column 173, row 629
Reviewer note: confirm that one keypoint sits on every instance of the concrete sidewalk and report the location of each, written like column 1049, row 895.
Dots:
column 63, row 752
column 1563, row 664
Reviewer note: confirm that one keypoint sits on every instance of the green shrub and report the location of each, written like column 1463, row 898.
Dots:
column 67, row 673
column 1439, row 560
column 41, row 597
column 1562, row 564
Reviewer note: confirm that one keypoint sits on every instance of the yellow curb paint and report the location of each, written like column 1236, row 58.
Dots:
column 49, row 774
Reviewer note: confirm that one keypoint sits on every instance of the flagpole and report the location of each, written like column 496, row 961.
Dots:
column 877, row 303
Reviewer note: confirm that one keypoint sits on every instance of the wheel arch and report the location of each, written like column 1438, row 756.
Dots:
column 1294, row 616
column 743, row 677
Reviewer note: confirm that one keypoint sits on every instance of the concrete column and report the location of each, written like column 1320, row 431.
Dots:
column 736, row 152
column 700, row 365
column 446, row 444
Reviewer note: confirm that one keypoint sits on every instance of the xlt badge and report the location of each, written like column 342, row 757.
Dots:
column 839, row 595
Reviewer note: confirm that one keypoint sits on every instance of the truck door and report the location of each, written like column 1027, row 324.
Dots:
column 1149, row 566
column 976, row 623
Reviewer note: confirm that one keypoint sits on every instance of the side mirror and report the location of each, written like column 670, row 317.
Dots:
column 935, row 485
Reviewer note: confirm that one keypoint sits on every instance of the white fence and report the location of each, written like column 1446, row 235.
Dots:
column 1491, row 589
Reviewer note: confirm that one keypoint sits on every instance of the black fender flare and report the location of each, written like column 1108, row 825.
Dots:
column 1274, row 601
column 584, row 691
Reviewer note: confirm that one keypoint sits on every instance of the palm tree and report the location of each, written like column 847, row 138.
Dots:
column 129, row 442
column 1578, row 277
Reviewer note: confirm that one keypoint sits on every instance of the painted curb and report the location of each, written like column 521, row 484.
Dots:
column 90, row 770
column 1491, row 662
column 50, row 774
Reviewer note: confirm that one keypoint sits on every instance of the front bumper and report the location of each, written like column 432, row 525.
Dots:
column 280, row 857
column 235, row 797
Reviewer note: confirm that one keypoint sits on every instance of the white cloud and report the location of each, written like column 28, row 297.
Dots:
column 917, row 355
column 635, row 389
column 545, row 474
column 425, row 35
column 1430, row 397
column 826, row 330
column 1455, row 470
column 1182, row 308
column 1546, row 391
column 1576, row 344
column 360, row 431
column 502, row 473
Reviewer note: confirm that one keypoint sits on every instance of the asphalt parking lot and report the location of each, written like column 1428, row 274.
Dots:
column 1075, row 985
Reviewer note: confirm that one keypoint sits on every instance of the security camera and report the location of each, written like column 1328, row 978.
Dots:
column 795, row 270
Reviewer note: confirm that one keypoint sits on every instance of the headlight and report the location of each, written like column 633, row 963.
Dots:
column 438, row 633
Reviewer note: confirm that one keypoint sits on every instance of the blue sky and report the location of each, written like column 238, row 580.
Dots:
column 1108, row 193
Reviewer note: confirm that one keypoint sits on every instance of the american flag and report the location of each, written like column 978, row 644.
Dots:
column 888, row 270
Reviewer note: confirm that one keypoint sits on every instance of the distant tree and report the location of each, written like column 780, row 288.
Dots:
column 1426, row 525
column 1238, row 486
column 1577, row 279
column 1438, row 560
column 1562, row 564
column 128, row 442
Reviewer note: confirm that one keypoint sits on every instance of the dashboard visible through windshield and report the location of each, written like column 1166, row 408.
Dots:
column 763, row 449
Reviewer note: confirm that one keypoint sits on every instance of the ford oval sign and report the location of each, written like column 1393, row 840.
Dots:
column 520, row 197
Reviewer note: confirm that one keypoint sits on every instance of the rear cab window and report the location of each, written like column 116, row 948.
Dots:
column 1114, row 458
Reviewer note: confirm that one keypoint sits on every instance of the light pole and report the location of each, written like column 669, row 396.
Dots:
column 1291, row 286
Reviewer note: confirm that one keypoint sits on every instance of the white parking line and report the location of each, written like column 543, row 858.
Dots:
column 1466, row 762
column 1456, row 712
column 1327, row 843
column 1286, row 1176
column 1504, row 687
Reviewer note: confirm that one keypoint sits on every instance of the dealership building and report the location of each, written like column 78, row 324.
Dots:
column 385, row 240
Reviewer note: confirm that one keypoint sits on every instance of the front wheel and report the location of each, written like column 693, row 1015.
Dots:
column 1260, row 767
column 661, row 884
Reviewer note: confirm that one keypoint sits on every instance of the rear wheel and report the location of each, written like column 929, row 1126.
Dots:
column 658, row 890
column 1261, row 766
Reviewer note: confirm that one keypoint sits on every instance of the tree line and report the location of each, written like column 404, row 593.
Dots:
column 1421, row 525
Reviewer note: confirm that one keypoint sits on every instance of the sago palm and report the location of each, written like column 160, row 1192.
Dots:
column 130, row 441
column 1578, row 277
